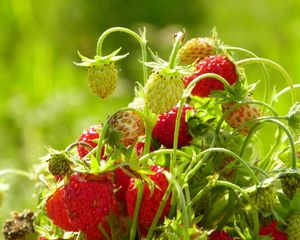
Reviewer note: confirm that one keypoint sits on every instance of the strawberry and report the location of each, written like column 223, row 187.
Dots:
column 89, row 136
column 264, row 197
column 88, row 199
column 293, row 228
column 217, row 64
column 57, row 211
column 102, row 73
column 290, row 183
column 121, row 183
column 163, row 130
column 220, row 235
column 128, row 125
column 240, row 115
column 139, row 147
column 196, row 49
column 273, row 231
column 59, row 164
column 163, row 90
column 150, row 201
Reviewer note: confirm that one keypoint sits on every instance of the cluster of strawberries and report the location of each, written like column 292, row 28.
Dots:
column 180, row 162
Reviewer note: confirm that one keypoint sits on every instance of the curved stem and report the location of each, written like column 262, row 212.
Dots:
column 274, row 65
column 189, row 88
column 246, row 196
column 266, row 74
column 141, row 39
column 185, row 217
column 176, row 134
column 136, row 211
column 279, row 94
column 223, row 150
column 159, row 212
column 290, row 137
column 173, row 55
column 17, row 172
column 164, row 151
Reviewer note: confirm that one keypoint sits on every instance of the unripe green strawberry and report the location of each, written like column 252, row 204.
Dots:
column 240, row 115
column 293, row 228
column 196, row 49
column 102, row 79
column 163, row 90
column 290, row 183
column 59, row 164
column 128, row 126
column 264, row 197
column 102, row 73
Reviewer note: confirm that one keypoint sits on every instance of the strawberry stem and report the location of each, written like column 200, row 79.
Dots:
column 178, row 40
column 141, row 39
column 274, row 65
column 133, row 228
column 223, row 150
column 17, row 172
column 189, row 88
column 159, row 212
column 164, row 151
column 182, row 203
column 265, row 71
column 279, row 94
column 289, row 135
column 246, row 196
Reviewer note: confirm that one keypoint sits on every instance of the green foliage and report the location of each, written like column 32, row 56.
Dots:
column 45, row 98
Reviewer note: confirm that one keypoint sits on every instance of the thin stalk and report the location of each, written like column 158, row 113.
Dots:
column 274, row 65
column 164, row 151
column 246, row 196
column 17, row 172
column 136, row 211
column 159, row 212
column 176, row 45
column 266, row 74
column 141, row 39
column 223, row 150
column 185, row 216
column 283, row 91
column 102, row 229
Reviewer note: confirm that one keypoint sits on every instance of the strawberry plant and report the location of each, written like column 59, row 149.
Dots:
column 184, row 160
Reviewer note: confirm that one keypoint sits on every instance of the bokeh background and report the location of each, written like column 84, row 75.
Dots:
column 45, row 99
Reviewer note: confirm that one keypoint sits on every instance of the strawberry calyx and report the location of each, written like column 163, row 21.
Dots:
column 99, row 60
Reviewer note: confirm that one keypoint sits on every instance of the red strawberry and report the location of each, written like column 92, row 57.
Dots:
column 89, row 136
column 163, row 131
column 273, row 231
column 57, row 211
column 218, row 64
column 241, row 115
column 121, row 184
column 88, row 199
column 220, row 235
column 139, row 147
column 150, row 202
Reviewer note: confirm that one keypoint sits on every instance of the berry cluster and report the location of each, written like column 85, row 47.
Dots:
column 184, row 160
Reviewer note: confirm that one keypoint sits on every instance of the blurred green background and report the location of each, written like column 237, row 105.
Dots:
column 44, row 96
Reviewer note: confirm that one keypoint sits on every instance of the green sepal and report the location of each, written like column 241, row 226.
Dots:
column 98, row 60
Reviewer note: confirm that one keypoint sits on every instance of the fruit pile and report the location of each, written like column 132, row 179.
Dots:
column 184, row 160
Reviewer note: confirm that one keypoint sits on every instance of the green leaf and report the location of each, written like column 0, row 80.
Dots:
column 295, row 202
column 94, row 164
